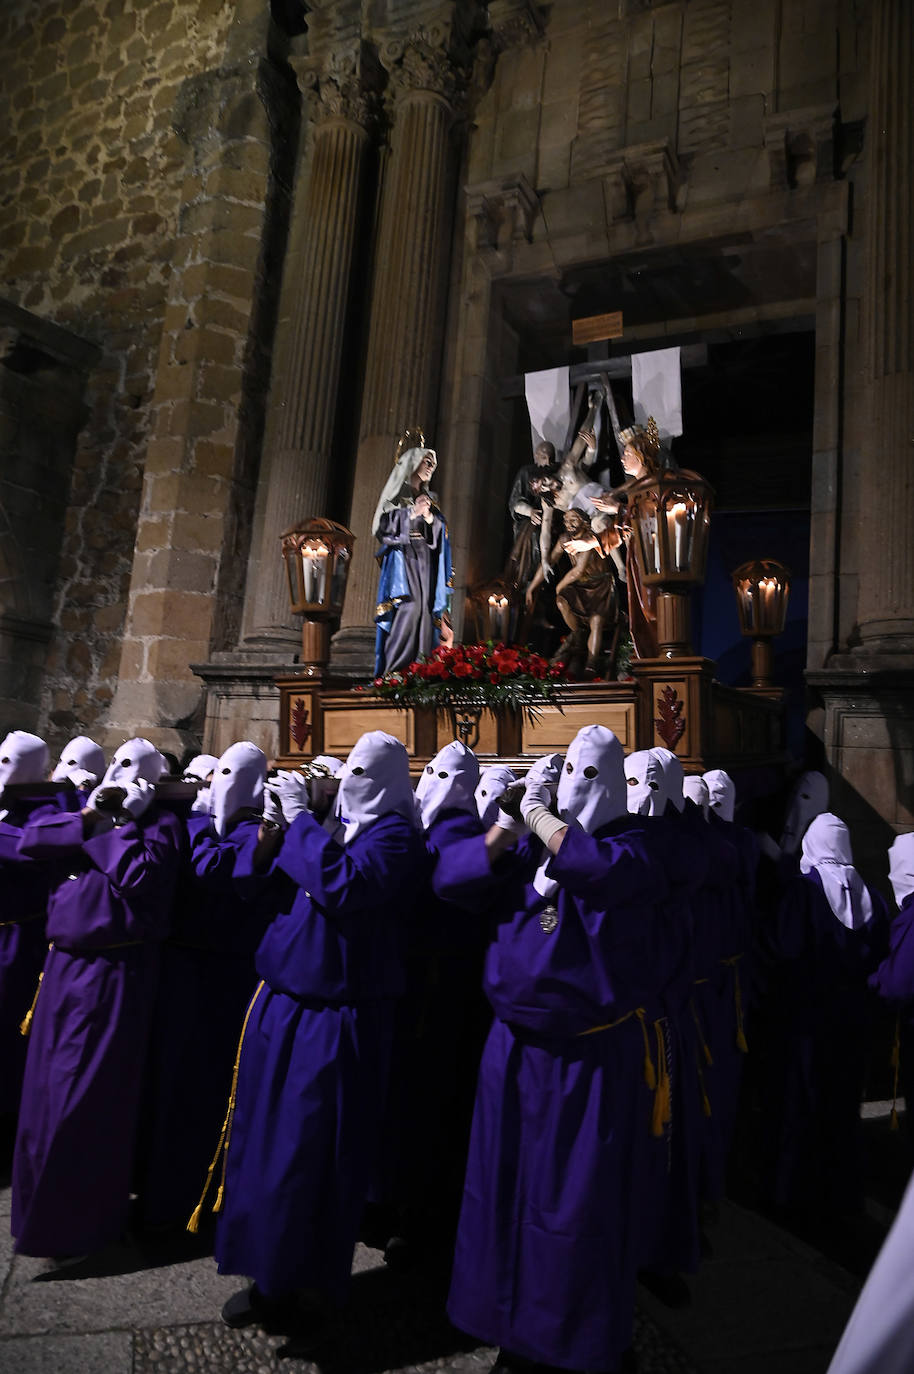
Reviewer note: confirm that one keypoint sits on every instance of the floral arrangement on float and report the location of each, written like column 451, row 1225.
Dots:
column 467, row 679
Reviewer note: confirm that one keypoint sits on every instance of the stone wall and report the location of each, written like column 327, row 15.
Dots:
column 91, row 175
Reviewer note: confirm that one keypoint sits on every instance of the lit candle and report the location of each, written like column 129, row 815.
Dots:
column 768, row 590
column 314, row 570
column 679, row 513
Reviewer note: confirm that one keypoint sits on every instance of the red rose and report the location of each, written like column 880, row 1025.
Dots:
column 462, row 669
column 493, row 677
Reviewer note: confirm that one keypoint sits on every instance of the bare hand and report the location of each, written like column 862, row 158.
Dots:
column 536, row 518
column 423, row 506
column 605, row 502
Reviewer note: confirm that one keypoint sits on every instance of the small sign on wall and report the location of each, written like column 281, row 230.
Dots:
column 595, row 328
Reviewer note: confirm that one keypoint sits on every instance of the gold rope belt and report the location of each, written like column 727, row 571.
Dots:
column 226, row 1134
column 25, row 1025
column 657, row 1079
column 24, row 920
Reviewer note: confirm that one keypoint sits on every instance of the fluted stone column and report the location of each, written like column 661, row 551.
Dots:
column 404, row 352
column 295, row 477
column 886, row 594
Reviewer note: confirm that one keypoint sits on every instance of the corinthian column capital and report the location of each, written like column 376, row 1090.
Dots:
column 423, row 63
column 341, row 84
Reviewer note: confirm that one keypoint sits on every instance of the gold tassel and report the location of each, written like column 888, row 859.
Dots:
column 25, row 1025
column 701, row 1035
column 650, row 1075
column 741, row 1043
column 663, row 1112
column 225, row 1136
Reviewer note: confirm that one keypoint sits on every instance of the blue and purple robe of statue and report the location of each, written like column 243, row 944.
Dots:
column 109, row 909
column 562, row 1146
column 313, row 1073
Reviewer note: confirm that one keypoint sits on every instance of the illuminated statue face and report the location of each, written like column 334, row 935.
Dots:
column 632, row 461
column 426, row 468
column 574, row 524
column 543, row 455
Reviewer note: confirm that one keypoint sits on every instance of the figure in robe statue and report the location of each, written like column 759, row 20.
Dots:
column 415, row 558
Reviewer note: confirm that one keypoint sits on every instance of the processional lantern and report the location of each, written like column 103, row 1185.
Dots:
column 762, row 589
column 670, row 512
column 317, row 554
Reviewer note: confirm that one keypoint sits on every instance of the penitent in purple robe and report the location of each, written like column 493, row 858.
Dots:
column 23, row 947
column 441, row 1024
column 824, row 1013
column 313, row 1074
column 206, row 981
column 110, row 906
column 549, row 1239
column 894, row 981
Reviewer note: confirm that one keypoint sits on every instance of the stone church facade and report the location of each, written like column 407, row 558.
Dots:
column 245, row 245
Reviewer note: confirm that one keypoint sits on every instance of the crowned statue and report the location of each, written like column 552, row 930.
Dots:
column 414, row 588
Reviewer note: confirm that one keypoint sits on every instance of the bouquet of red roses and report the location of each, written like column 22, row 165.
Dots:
column 484, row 676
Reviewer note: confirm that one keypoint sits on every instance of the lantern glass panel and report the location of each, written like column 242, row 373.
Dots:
column 649, row 537
column 315, row 556
column 290, row 556
column 340, row 573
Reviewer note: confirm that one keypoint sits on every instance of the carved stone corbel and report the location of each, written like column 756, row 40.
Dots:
column 801, row 146
column 504, row 211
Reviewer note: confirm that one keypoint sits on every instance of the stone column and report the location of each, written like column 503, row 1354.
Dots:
column 404, row 356
column 886, row 592
column 295, row 475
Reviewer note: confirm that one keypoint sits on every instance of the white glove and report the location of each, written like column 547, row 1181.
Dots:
column 138, row 797
column 81, row 777
column 541, row 784
column 272, row 807
column 200, row 806
column 292, row 791
column 506, row 822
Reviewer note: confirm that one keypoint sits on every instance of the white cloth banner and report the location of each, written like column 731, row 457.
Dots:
column 657, row 389
column 877, row 1339
column 549, row 406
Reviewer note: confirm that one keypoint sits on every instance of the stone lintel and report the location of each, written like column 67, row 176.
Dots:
column 20, row 329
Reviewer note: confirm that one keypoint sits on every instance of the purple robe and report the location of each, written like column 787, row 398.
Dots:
column 440, row 1028
column 313, row 1072
column 894, row 981
column 109, row 908
column 206, row 981
column 562, row 1145
column 23, row 946
column 824, row 1013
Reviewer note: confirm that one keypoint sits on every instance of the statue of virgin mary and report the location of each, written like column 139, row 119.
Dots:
column 415, row 558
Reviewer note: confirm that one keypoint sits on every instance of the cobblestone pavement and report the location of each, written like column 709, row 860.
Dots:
column 763, row 1301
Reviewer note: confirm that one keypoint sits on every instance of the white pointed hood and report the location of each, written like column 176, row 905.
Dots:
column 721, row 793
column 492, row 783
column 901, row 867
column 592, row 788
column 827, row 849
column 199, row 769
column 448, row 782
column 644, row 794
column 135, row 759
column 79, row 756
column 23, row 758
column 695, row 789
column 238, row 782
column 374, row 781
